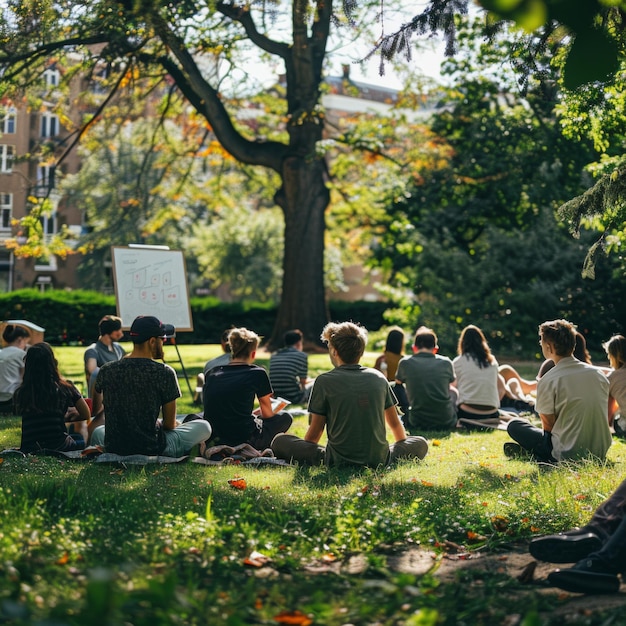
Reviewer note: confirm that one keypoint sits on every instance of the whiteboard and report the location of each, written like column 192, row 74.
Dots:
column 151, row 281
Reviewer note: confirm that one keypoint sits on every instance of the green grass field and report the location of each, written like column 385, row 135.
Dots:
column 85, row 543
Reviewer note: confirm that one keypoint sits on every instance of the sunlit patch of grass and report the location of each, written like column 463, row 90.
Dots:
column 170, row 544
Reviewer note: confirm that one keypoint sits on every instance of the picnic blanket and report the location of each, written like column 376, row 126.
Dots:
column 492, row 423
column 244, row 454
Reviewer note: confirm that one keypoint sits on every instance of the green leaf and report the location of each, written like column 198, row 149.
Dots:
column 592, row 57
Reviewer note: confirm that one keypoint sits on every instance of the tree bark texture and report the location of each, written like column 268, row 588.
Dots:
column 303, row 198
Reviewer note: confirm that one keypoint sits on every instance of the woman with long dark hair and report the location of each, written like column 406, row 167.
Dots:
column 43, row 399
column 476, row 372
column 387, row 362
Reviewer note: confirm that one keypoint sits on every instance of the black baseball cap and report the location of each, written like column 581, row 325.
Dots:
column 145, row 327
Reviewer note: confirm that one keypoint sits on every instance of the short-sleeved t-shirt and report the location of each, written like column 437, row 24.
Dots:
column 222, row 359
column 11, row 365
column 353, row 399
column 229, row 393
column 287, row 367
column 577, row 394
column 46, row 429
column 102, row 354
column 427, row 377
column 134, row 390
column 617, row 388
column 476, row 385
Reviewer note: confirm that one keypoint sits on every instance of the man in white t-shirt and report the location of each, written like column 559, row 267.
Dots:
column 572, row 402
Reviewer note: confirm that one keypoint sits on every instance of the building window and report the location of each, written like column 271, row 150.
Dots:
column 8, row 122
column 52, row 77
column 6, row 211
column 49, row 225
column 7, row 154
column 45, row 180
column 49, row 125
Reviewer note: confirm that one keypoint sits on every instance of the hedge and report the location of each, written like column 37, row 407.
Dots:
column 71, row 317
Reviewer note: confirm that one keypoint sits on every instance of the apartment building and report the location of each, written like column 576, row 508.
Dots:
column 25, row 174
column 25, row 131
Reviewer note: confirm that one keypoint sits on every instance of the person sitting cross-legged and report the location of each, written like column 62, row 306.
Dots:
column 135, row 390
column 289, row 369
column 353, row 403
column 572, row 402
column 598, row 549
column 428, row 377
column 230, row 392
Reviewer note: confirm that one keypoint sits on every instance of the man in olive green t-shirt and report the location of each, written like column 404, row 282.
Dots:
column 353, row 403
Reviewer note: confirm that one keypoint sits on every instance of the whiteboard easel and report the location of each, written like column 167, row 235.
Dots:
column 152, row 280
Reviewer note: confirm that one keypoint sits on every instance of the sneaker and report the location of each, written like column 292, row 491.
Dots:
column 587, row 576
column 564, row 547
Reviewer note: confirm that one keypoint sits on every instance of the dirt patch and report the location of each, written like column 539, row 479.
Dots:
column 515, row 563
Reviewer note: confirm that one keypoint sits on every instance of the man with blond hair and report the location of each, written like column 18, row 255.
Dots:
column 353, row 403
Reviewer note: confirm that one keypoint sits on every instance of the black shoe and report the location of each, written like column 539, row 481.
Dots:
column 619, row 429
column 564, row 548
column 587, row 576
column 513, row 450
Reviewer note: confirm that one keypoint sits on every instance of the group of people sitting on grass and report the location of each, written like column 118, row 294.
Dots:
column 575, row 403
column 134, row 398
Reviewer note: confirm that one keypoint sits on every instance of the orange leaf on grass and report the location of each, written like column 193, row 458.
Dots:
column 237, row 483
column 64, row 559
column 297, row 618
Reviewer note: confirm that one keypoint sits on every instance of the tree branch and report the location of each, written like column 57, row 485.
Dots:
column 206, row 100
column 244, row 17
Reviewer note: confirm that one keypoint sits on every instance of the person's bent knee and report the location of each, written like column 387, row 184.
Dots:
column 97, row 436
column 514, row 425
column 417, row 447
column 281, row 443
column 202, row 429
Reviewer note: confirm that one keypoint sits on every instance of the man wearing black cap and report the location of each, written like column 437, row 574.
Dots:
column 105, row 349
column 135, row 391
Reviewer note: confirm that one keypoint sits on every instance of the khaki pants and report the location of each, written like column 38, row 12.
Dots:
column 292, row 448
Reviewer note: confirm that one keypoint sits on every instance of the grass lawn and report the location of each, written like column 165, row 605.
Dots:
column 82, row 543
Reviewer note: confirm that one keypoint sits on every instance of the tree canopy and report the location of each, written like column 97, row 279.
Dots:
column 194, row 50
column 476, row 240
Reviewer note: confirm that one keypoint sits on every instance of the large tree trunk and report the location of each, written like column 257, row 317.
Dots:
column 303, row 198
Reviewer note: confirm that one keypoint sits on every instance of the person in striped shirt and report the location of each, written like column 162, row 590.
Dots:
column 289, row 369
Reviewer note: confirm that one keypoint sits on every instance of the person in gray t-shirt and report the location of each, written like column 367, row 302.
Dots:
column 427, row 376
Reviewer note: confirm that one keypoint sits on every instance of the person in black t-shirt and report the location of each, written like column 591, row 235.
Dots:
column 230, row 392
column 135, row 391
